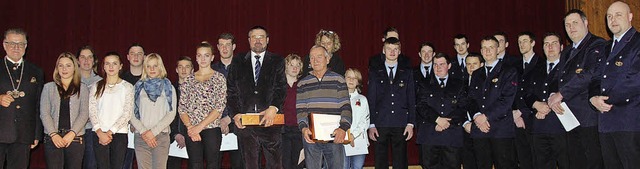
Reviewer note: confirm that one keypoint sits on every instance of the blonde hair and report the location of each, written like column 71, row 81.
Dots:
column 74, row 86
column 358, row 75
column 158, row 58
column 292, row 57
column 331, row 35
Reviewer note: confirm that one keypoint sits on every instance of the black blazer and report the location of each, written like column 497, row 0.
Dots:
column 246, row 96
column 456, row 70
column 391, row 104
column 433, row 102
column 574, row 79
column 619, row 79
column 494, row 95
column 526, row 76
column 20, row 122
column 538, row 88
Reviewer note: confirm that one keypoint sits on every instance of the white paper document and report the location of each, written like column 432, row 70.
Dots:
column 568, row 119
column 174, row 151
column 324, row 125
column 229, row 142
column 131, row 140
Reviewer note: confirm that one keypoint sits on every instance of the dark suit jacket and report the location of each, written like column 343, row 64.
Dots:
column 20, row 122
column 574, row 80
column 419, row 78
column 526, row 76
column 511, row 60
column 433, row 102
column 538, row 89
column 620, row 80
column 244, row 95
column 391, row 105
column 494, row 94
column 456, row 70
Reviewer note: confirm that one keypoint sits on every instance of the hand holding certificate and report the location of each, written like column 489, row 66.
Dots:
column 324, row 128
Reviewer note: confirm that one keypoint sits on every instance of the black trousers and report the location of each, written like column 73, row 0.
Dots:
column 207, row 149
column 393, row 136
column 15, row 154
column 523, row 148
column 467, row 154
column 440, row 157
column 266, row 139
column 495, row 151
column 550, row 151
column 584, row 148
column 111, row 156
column 235, row 156
column 67, row 158
column 291, row 146
column 621, row 150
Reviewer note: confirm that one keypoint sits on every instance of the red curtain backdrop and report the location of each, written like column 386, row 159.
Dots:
column 174, row 28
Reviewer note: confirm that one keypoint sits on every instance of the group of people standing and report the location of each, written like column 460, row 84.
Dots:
column 475, row 110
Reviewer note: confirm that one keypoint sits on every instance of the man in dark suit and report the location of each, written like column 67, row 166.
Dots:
column 20, row 86
column 458, row 65
column 441, row 111
column 493, row 88
column 522, row 114
column 502, row 49
column 573, row 87
column 549, row 141
column 392, row 103
column 473, row 62
column 256, row 84
column 616, row 95
column 423, row 72
column 378, row 59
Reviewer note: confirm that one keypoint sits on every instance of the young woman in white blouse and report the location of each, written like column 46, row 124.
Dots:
column 357, row 150
column 154, row 110
column 110, row 108
column 64, row 105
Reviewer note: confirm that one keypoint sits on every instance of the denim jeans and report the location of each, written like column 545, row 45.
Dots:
column 332, row 153
column 354, row 162
column 89, row 160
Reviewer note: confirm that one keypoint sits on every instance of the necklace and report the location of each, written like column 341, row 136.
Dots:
column 112, row 85
column 15, row 93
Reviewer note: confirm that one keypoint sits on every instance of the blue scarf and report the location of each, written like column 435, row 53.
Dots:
column 153, row 88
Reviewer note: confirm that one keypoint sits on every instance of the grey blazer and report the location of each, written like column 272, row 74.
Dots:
column 50, row 109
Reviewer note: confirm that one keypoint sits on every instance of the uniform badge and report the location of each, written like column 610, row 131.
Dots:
column 401, row 84
column 454, row 101
column 578, row 71
column 494, row 80
column 33, row 79
column 618, row 63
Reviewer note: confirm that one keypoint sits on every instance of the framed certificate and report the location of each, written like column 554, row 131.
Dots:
column 323, row 125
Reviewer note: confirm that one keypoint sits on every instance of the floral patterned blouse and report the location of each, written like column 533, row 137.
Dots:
column 198, row 99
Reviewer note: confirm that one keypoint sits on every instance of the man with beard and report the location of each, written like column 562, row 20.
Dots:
column 256, row 84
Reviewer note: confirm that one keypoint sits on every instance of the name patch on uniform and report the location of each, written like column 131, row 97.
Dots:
column 618, row 63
